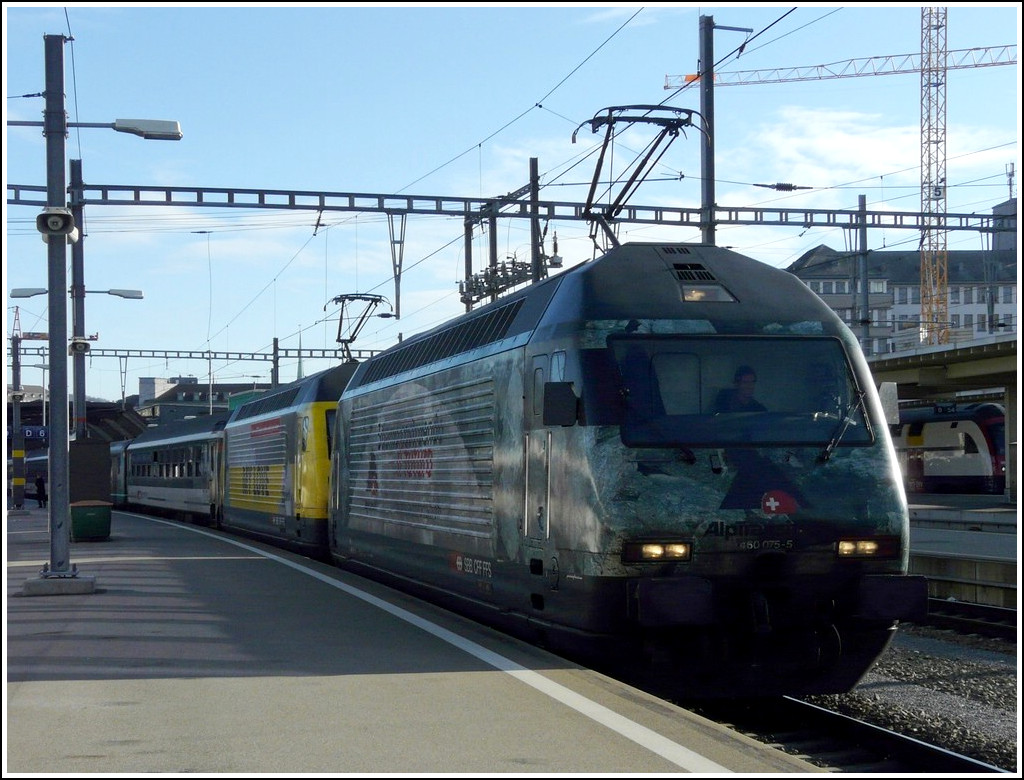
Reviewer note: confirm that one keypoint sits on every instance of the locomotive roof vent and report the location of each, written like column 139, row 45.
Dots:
column 699, row 284
column 693, row 272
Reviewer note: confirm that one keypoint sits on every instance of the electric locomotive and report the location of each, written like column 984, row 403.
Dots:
column 277, row 457
column 555, row 464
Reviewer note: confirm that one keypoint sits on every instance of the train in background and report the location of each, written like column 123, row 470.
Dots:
column 172, row 470
column 277, row 453
column 261, row 470
column 554, row 464
column 951, row 448
column 36, row 464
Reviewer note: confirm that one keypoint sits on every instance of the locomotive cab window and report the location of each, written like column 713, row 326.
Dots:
column 721, row 391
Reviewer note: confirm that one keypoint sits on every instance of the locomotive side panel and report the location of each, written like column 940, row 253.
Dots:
column 258, row 493
column 428, row 476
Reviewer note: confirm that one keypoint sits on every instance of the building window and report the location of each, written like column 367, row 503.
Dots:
column 877, row 286
column 968, row 320
column 954, row 295
column 1007, row 294
column 915, row 294
column 826, row 288
column 954, row 321
column 968, row 295
column 902, row 295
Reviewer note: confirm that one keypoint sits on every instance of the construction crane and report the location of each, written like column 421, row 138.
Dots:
column 868, row 66
column 932, row 63
column 934, row 328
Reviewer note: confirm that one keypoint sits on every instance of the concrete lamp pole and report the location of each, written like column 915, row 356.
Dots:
column 57, row 225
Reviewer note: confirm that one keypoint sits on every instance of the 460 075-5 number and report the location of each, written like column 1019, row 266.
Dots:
column 765, row 544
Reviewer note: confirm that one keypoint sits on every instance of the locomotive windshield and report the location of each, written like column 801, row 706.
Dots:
column 728, row 391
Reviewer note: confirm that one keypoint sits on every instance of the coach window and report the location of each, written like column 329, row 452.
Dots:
column 558, row 367
column 331, row 415
column 539, row 364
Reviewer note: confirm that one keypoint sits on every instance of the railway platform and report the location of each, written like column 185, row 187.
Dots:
column 963, row 512
column 197, row 652
column 966, row 545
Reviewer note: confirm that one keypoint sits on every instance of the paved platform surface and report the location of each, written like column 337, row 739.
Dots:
column 959, row 526
column 197, row 653
column 968, row 506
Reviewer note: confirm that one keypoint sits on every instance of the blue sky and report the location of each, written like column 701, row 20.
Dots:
column 420, row 99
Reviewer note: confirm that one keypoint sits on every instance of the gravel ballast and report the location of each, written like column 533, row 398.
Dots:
column 955, row 692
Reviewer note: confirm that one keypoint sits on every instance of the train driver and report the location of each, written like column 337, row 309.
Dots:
column 740, row 397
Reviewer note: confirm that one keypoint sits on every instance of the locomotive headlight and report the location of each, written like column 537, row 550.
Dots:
column 875, row 547
column 656, row 552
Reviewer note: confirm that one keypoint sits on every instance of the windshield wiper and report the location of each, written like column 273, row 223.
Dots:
column 847, row 421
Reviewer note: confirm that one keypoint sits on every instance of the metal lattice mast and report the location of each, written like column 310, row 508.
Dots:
column 934, row 262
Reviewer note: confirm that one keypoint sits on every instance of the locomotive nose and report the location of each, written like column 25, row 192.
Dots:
column 767, row 571
column 768, row 567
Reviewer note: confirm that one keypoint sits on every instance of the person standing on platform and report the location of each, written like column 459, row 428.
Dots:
column 41, row 491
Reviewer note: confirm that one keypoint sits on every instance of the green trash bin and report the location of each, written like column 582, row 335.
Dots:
column 90, row 521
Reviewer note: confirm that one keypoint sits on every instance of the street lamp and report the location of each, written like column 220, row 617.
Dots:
column 135, row 295
column 150, row 129
column 79, row 348
column 58, row 222
column 29, row 292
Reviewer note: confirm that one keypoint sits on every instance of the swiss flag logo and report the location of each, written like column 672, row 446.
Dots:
column 778, row 502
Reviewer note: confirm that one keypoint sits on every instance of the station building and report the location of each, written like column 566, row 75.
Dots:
column 982, row 290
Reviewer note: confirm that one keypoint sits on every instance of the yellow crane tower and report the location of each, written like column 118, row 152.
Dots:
column 932, row 63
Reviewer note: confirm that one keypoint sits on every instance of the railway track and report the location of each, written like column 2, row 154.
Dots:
column 823, row 737
column 836, row 742
column 967, row 618
column 874, row 732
